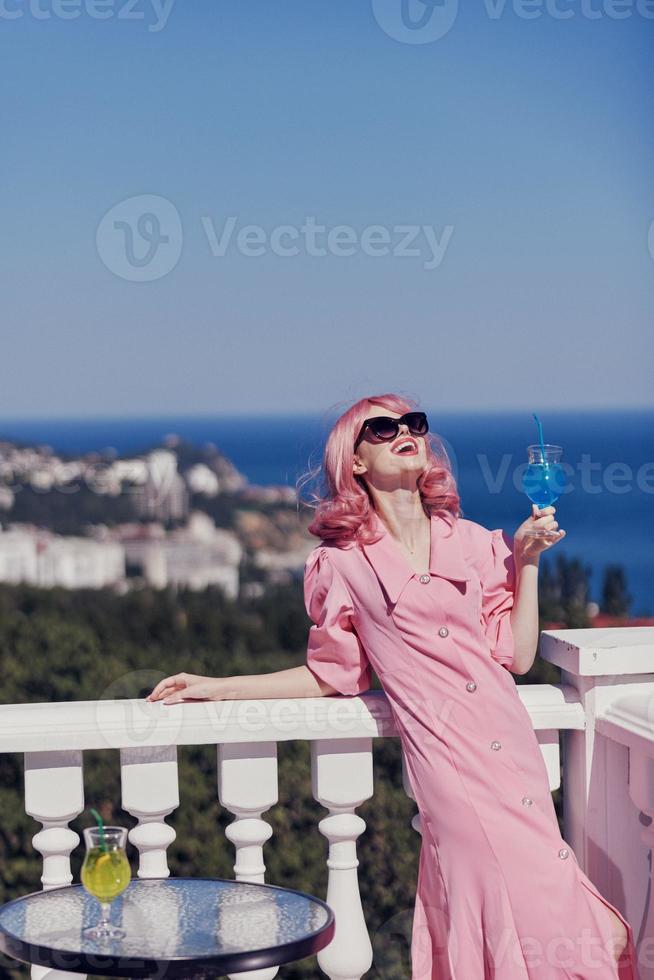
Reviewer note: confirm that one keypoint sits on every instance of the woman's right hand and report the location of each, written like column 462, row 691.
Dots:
column 187, row 687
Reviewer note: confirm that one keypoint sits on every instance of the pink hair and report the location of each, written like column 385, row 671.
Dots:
column 344, row 511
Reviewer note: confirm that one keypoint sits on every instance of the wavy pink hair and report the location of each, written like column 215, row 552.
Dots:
column 344, row 510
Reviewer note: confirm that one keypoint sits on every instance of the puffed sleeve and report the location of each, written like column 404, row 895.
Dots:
column 498, row 591
column 334, row 651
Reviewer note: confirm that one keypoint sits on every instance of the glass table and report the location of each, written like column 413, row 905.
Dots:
column 175, row 927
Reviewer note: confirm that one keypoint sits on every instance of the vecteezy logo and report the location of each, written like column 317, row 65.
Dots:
column 140, row 239
column 415, row 21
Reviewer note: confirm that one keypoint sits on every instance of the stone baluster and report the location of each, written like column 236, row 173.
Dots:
column 247, row 786
column 604, row 668
column 54, row 795
column 342, row 779
column 150, row 791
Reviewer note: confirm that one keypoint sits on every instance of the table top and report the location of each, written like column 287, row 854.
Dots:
column 175, row 927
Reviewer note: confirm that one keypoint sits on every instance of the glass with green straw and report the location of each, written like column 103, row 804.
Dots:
column 105, row 873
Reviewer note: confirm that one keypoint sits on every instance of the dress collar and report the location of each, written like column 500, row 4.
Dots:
column 391, row 565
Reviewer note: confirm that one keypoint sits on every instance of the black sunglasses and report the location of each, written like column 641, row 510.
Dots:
column 385, row 428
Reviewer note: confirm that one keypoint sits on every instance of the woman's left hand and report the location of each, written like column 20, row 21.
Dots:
column 526, row 546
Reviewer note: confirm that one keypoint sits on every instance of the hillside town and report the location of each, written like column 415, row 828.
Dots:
column 176, row 516
column 170, row 539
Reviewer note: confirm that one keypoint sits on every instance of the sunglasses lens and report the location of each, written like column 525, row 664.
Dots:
column 384, row 428
column 417, row 422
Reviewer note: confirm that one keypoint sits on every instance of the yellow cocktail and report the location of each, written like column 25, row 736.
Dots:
column 105, row 875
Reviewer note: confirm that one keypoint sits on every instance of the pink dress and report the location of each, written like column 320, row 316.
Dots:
column 500, row 893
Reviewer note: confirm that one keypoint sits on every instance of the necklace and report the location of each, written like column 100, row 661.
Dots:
column 411, row 551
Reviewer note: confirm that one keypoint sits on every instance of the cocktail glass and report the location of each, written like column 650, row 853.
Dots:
column 106, row 873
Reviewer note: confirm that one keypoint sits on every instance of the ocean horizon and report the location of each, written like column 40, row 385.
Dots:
column 606, row 508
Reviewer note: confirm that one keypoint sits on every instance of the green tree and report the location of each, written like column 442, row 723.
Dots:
column 615, row 599
column 563, row 591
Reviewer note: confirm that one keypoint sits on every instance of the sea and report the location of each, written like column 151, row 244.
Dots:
column 606, row 506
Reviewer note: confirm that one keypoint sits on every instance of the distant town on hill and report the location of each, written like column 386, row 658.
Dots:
column 183, row 516
column 174, row 515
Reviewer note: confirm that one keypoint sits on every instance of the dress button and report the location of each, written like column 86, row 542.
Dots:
column 471, row 686
column 443, row 631
column 527, row 801
column 563, row 853
column 425, row 579
column 496, row 745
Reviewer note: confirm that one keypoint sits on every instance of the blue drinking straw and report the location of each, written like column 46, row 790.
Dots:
column 540, row 434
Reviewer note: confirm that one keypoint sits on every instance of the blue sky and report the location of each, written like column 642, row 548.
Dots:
column 518, row 153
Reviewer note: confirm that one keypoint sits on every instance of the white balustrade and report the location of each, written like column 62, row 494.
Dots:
column 341, row 781
column 150, row 792
column 602, row 716
column 54, row 795
column 247, row 787
column 608, row 766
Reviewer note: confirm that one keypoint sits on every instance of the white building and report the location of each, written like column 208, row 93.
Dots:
column 195, row 556
column 163, row 496
column 201, row 479
column 80, row 563
column 39, row 557
column 18, row 556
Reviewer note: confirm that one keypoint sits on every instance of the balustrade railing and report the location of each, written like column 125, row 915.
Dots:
column 598, row 722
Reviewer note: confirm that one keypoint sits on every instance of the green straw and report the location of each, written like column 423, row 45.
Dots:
column 540, row 434
column 103, row 843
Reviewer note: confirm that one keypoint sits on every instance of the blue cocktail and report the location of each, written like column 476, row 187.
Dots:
column 544, row 479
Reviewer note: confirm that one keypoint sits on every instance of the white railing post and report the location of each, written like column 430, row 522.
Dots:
column 247, row 786
column 54, row 795
column 342, row 779
column 150, row 791
column 601, row 822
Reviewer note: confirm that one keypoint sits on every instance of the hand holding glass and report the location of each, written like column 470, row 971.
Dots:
column 543, row 480
column 105, row 875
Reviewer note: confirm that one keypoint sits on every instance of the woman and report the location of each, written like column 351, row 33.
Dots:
column 443, row 610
